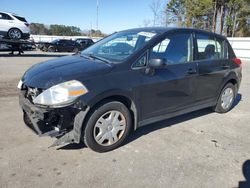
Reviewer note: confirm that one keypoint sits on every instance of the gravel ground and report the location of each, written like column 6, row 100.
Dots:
column 200, row 149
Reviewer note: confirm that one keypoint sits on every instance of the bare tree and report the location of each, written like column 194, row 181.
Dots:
column 215, row 14
column 156, row 7
column 219, row 15
column 146, row 23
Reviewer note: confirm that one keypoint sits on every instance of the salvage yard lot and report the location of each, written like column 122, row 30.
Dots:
column 200, row 149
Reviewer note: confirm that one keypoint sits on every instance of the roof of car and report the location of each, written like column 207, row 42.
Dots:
column 82, row 39
column 161, row 30
column 14, row 14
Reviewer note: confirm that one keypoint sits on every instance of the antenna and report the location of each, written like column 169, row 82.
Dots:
column 97, row 13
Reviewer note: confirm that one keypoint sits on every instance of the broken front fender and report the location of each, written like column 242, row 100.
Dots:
column 65, row 123
column 74, row 136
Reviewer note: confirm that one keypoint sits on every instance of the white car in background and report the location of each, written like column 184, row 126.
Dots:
column 13, row 26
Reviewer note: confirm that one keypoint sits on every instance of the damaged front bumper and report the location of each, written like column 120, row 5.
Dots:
column 63, row 123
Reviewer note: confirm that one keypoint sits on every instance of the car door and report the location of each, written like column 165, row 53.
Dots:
column 84, row 44
column 73, row 45
column 212, row 65
column 6, row 22
column 173, row 87
column 69, row 46
column 61, row 46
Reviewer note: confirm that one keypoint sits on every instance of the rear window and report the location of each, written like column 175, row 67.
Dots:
column 20, row 18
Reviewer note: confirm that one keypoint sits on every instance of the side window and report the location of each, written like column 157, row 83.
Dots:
column 85, row 42
column 161, row 47
column 175, row 49
column 209, row 47
column 5, row 17
column 63, row 42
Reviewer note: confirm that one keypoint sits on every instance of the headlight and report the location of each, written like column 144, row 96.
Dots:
column 20, row 84
column 61, row 94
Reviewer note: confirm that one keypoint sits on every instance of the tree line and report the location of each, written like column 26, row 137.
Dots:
column 62, row 30
column 228, row 17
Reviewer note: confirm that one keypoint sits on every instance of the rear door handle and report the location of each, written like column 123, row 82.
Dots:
column 191, row 71
column 225, row 66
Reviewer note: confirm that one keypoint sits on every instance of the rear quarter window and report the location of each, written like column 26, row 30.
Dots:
column 20, row 18
column 231, row 53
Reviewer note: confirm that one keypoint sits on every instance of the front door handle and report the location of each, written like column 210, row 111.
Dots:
column 191, row 71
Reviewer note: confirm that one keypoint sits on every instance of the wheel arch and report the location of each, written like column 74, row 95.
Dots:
column 123, row 97
column 52, row 46
column 15, row 28
column 231, row 78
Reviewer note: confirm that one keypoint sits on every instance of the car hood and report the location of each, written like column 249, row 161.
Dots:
column 52, row 72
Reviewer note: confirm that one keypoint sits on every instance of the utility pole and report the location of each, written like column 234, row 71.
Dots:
column 97, row 13
column 90, row 31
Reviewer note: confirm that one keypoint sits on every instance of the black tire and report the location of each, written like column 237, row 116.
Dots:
column 219, row 107
column 45, row 49
column 88, row 132
column 15, row 34
column 51, row 49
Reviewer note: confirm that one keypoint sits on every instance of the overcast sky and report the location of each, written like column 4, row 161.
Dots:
column 114, row 15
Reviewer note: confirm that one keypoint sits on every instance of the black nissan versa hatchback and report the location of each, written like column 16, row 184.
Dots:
column 127, row 80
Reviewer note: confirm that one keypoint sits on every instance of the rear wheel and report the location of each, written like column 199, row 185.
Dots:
column 15, row 33
column 108, row 127
column 51, row 49
column 226, row 99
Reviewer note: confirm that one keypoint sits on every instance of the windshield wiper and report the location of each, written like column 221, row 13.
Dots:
column 99, row 58
column 86, row 56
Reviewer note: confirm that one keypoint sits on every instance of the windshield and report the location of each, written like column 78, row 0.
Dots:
column 119, row 46
column 55, row 41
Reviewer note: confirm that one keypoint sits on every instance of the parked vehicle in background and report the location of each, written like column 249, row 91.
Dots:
column 127, row 80
column 84, row 42
column 13, row 26
column 60, row 45
column 28, row 47
column 120, row 47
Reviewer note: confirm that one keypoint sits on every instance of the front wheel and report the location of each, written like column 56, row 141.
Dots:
column 107, row 127
column 226, row 99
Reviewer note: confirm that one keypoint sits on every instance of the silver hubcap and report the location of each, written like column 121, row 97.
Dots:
column 227, row 98
column 15, row 34
column 109, row 128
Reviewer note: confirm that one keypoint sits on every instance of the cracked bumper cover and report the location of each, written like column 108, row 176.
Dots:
column 67, row 128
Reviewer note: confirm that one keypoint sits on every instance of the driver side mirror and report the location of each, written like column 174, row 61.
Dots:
column 157, row 63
